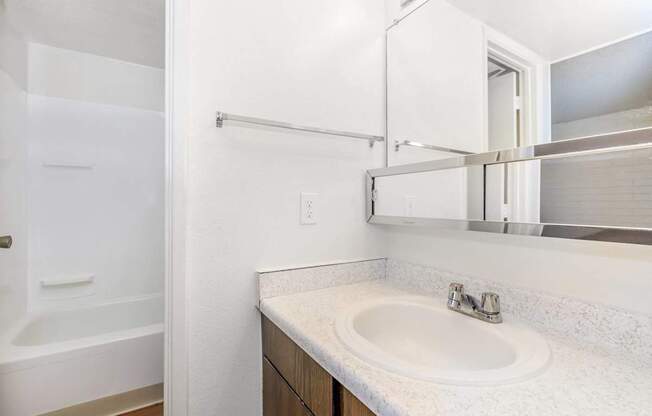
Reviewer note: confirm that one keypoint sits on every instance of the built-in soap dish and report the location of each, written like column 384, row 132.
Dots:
column 67, row 281
column 58, row 164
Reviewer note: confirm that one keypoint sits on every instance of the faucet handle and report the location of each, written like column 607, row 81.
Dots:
column 455, row 291
column 490, row 303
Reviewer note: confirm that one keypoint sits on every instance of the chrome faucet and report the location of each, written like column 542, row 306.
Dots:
column 487, row 309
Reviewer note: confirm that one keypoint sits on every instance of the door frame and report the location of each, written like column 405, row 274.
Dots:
column 535, row 112
column 176, row 148
column 535, row 85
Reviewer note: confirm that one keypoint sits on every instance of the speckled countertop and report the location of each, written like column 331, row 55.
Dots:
column 604, row 377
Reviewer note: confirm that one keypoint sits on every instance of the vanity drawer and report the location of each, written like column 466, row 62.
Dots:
column 311, row 382
column 278, row 397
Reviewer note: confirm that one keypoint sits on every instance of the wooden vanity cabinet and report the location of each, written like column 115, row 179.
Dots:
column 295, row 385
column 349, row 405
column 278, row 397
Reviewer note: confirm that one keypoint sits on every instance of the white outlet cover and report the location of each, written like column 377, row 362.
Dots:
column 309, row 208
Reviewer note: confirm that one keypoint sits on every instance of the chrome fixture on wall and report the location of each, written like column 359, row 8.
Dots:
column 410, row 143
column 628, row 140
column 222, row 117
column 6, row 241
column 487, row 309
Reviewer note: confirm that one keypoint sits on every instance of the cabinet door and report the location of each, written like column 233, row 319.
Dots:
column 311, row 382
column 278, row 398
column 351, row 406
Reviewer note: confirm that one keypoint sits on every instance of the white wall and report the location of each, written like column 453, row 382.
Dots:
column 96, row 169
column 604, row 273
column 310, row 62
column 13, row 163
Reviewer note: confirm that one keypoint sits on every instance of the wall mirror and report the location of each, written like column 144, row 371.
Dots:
column 468, row 80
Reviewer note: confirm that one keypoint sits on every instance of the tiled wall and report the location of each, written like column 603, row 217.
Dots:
column 608, row 189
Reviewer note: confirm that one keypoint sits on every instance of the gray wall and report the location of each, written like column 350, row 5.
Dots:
column 607, row 90
column 606, row 189
column 609, row 80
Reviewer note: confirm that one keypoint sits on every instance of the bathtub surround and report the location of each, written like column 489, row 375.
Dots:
column 82, row 162
column 81, row 143
column 87, row 78
column 594, row 349
column 96, row 173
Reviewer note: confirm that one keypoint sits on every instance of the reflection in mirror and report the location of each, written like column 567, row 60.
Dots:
column 612, row 189
column 504, row 116
column 476, row 76
column 451, row 194
column 432, row 83
column 609, row 189
column 494, row 193
column 603, row 91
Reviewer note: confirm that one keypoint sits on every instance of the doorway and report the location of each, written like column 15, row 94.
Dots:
column 504, row 120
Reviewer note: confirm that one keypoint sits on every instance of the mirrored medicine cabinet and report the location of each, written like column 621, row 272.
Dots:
column 497, row 125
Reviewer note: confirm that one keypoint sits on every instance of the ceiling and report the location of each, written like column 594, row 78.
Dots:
column 128, row 30
column 557, row 29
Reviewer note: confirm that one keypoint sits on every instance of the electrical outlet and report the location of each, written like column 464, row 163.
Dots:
column 410, row 205
column 308, row 208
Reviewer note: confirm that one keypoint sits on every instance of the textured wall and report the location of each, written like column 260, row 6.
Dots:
column 309, row 62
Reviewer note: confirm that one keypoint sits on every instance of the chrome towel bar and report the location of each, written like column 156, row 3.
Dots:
column 222, row 117
column 398, row 144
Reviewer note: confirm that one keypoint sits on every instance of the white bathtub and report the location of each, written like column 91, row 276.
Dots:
column 61, row 358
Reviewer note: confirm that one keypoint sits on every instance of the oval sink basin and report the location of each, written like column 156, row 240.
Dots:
column 419, row 338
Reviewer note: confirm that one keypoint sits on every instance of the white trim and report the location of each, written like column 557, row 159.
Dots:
column 603, row 45
column 176, row 135
column 534, row 70
column 535, row 116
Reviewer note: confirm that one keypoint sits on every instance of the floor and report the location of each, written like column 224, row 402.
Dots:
column 156, row 410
